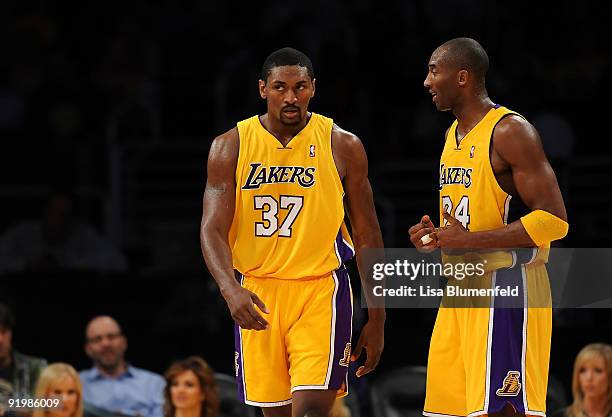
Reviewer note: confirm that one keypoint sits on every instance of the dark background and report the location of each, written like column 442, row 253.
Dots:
column 118, row 102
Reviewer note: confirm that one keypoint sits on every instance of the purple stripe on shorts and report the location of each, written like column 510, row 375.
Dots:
column 238, row 363
column 344, row 250
column 238, row 355
column 344, row 318
column 507, row 347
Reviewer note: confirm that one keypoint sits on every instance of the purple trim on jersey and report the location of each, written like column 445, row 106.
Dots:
column 496, row 106
column 507, row 342
column 344, row 318
column 525, row 255
column 344, row 250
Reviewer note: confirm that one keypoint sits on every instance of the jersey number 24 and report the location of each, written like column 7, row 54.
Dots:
column 462, row 211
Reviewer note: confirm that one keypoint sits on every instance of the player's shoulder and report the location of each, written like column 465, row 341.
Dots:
column 344, row 139
column 514, row 125
column 514, row 136
column 228, row 137
column 225, row 146
column 227, row 140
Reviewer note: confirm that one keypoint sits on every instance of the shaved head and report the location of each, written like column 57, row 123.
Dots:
column 102, row 323
column 466, row 54
column 105, row 344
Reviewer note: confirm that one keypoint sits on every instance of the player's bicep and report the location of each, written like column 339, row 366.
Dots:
column 518, row 143
column 220, row 191
column 359, row 196
column 360, row 203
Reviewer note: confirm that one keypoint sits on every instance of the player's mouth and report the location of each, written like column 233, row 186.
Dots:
column 433, row 95
column 291, row 111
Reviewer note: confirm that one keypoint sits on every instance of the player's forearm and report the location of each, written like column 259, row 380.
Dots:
column 378, row 314
column 369, row 249
column 513, row 235
column 218, row 258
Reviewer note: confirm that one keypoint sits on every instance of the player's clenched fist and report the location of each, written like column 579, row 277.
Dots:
column 422, row 235
column 241, row 305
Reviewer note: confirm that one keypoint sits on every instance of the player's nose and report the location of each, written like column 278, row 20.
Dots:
column 290, row 96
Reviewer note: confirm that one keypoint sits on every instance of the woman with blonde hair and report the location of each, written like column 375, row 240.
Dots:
column 592, row 382
column 61, row 381
column 191, row 390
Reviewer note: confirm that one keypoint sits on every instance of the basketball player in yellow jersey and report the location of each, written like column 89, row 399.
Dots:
column 490, row 360
column 273, row 217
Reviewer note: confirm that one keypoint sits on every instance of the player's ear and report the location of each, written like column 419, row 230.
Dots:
column 462, row 78
column 313, row 87
column 262, row 89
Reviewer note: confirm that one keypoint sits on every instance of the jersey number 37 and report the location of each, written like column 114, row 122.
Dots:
column 270, row 208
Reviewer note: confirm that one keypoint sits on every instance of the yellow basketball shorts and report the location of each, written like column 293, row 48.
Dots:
column 307, row 345
column 481, row 359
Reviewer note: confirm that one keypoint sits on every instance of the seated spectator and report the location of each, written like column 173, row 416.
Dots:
column 191, row 390
column 18, row 372
column 60, row 380
column 592, row 382
column 112, row 384
column 57, row 241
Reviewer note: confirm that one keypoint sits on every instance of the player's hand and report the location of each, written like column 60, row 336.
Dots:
column 454, row 235
column 241, row 303
column 424, row 228
column 372, row 339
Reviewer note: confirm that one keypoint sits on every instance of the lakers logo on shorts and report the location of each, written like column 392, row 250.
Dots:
column 511, row 386
column 346, row 358
column 236, row 365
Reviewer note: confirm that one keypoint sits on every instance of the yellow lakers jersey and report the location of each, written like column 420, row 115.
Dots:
column 504, row 357
column 289, row 216
column 469, row 190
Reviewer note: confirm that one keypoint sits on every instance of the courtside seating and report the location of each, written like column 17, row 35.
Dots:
column 555, row 397
column 399, row 393
column 230, row 405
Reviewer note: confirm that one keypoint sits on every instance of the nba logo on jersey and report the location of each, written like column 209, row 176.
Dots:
column 511, row 385
column 472, row 151
column 312, row 151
